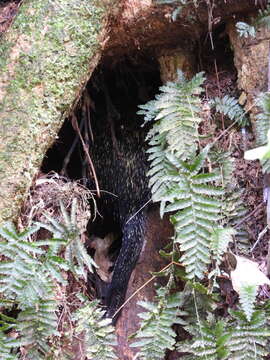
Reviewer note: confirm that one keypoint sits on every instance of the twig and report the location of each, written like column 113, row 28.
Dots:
column 146, row 283
column 248, row 215
column 144, row 205
column 76, row 127
column 71, row 150
column 219, row 93
column 261, row 234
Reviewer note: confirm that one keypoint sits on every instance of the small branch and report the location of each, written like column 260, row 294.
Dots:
column 145, row 284
column 76, row 127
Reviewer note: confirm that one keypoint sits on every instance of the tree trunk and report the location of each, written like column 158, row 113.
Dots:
column 47, row 55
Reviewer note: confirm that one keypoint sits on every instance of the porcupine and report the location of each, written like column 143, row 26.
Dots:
column 120, row 163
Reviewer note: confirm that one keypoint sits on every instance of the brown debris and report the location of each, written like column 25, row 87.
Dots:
column 8, row 10
column 45, row 196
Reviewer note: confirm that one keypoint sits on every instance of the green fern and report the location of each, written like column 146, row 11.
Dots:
column 220, row 239
column 98, row 332
column 21, row 258
column 176, row 113
column 198, row 211
column 224, row 163
column 230, row 107
column 233, row 213
column 156, row 335
column 247, row 296
column 28, row 275
column 36, row 326
column 175, row 130
column 159, row 169
column 233, row 209
column 75, row 252
column 245, row 30
column 249, row 338
column 211, row 342
column 7, row 343
column 263, row 118
column 25, row 277
column 263, row 17
column 262, row 127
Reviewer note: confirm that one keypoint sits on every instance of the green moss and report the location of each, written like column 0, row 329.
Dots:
column 54, row 43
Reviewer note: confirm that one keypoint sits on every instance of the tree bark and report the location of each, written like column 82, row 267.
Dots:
column 47, row 55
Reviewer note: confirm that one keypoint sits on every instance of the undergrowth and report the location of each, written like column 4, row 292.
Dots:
column 32, row 275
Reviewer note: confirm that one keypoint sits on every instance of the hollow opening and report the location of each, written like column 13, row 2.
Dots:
column 108, row 107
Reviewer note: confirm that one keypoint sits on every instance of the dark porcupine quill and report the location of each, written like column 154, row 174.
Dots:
column 121, row 165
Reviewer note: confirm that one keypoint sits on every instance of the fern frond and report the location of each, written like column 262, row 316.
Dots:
column 176, row 114
column 160, row 169
column 26, row 272
column 247, row 296
column 198, row 211
column 98, row 332
column 233, row 209
column 220, row 239
column 263, row 119
column 245, row 30
column 7, row 343
column 75, row 253
column 230, row 107
column 155, row 335
column 224, row 162
column 263, row 17
column 211, row 342
column 249, row 338
column 38, row 324
column 233, row 212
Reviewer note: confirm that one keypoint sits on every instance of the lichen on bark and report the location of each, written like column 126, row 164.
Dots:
column 46, row 57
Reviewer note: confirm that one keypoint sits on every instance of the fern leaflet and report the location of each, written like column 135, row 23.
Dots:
column 247, row 296
column 98, row 332
column 198, row 211
column 7, row 343
column 220, row 239
column 176, row 114
column 155, row 334
column 36, row 325
column 230, row 107
column 263, row 119
column 245, row 30
column 211, row 343
column 75, row 253
column 249, row 338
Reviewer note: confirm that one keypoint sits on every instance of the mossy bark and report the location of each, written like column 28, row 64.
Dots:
column 251, row 57
column 46, row 57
